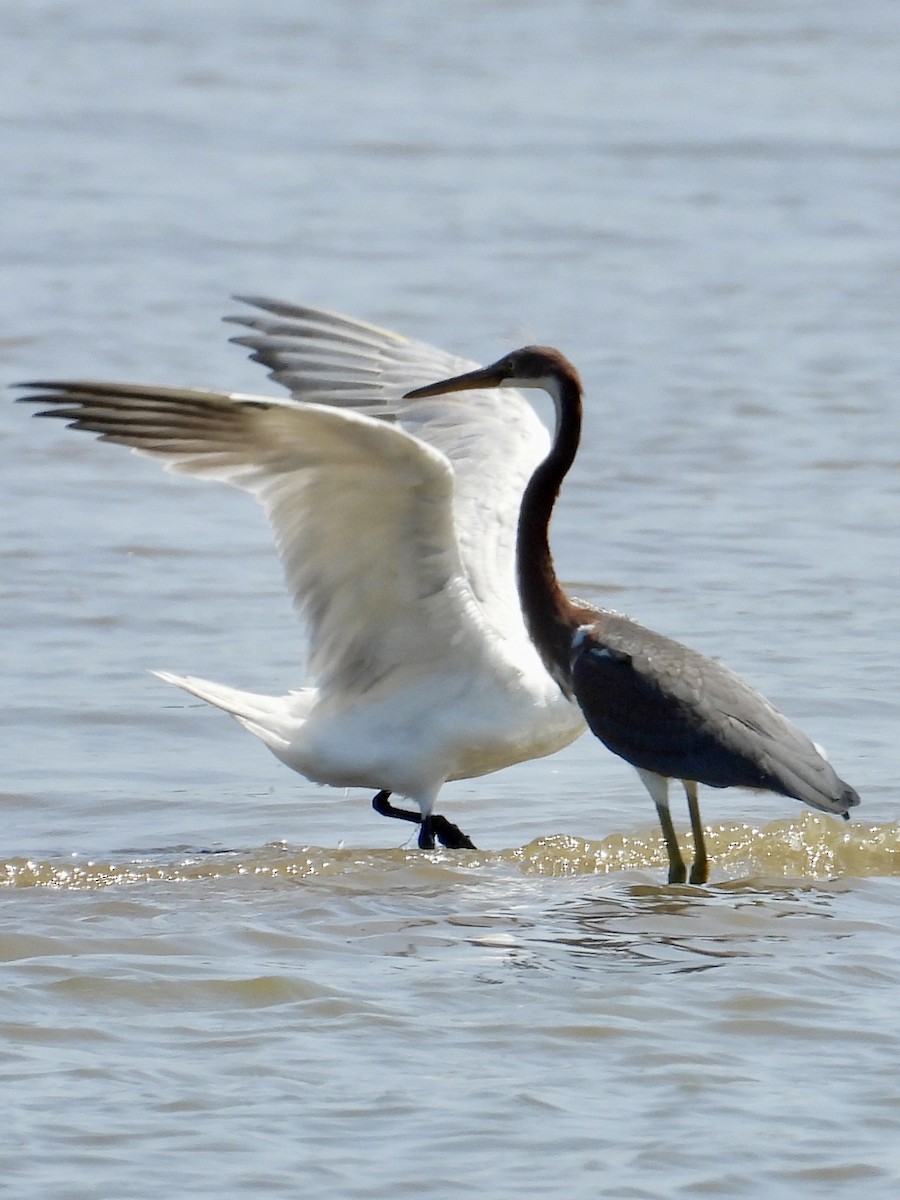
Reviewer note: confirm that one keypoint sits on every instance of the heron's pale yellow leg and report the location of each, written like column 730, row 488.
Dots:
column 677, row 869
column 658, row 787
column 700, row 865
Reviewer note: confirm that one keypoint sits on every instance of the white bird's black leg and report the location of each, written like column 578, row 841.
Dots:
column 426, row 833
column 434, row 826
column 382, row 805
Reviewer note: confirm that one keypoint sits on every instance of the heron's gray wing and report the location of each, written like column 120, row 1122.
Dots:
column 668, row 709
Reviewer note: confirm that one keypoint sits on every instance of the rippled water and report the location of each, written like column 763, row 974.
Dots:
column 219, row 980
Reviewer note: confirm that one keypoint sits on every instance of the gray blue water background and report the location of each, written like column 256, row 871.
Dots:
column 699, row 203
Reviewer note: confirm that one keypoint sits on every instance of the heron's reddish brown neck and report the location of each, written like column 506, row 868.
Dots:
column 550, row 616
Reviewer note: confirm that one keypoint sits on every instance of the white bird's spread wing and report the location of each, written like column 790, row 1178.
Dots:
column 492, row 439
column 361, row 511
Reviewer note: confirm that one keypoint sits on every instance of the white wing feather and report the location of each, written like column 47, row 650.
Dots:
column 492, row 439
column 361, row 512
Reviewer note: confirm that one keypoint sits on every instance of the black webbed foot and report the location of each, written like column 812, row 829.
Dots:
column 449, row 835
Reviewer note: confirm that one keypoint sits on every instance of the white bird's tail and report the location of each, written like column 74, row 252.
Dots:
column 273, row 719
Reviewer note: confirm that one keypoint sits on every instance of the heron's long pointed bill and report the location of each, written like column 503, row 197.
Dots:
column 484, row 377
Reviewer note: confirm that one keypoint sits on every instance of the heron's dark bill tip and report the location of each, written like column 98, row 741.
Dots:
column 434, row 389
column 483, row 377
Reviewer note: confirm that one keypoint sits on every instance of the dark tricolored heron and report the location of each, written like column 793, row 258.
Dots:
column 669, row 711
column 396, row 524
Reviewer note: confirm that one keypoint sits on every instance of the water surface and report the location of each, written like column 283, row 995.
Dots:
column 220, row 980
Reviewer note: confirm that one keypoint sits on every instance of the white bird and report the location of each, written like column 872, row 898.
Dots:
column 395, row 521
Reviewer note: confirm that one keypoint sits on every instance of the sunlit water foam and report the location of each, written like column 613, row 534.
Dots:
column 808, row 846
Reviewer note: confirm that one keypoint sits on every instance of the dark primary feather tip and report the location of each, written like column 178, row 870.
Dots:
column 31, row 386
column 61, row 414
column 246, row 298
